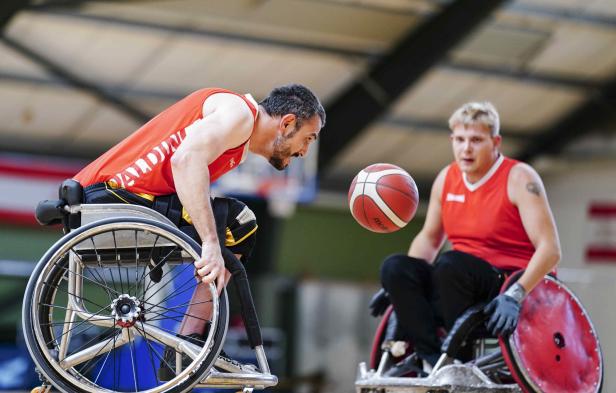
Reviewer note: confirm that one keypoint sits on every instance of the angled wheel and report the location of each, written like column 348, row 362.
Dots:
column 555, row 347
column 95, row 319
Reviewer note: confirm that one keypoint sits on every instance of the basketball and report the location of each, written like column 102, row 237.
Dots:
column 383, row 198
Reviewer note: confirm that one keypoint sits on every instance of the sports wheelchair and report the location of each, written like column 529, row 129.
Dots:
column 96, row 319
column 554, row 349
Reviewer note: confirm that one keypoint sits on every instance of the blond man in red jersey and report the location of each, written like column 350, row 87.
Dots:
column 495, row 213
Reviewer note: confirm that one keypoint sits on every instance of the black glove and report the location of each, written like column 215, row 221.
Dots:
column 505, row 312
column 379, row 303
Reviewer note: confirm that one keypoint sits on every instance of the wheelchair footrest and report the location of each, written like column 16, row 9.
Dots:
column 448, row 379
column 216, row 379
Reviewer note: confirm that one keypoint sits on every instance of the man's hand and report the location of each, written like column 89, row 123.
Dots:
column 505, row 312
column 379, row 303
column 211, row 266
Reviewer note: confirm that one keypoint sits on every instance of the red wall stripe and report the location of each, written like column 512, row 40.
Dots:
column 38, row 169
column 602, row 209
column 601, row 253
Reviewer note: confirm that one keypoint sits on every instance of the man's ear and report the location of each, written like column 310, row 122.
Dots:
column 497, row 141
column 287, row 123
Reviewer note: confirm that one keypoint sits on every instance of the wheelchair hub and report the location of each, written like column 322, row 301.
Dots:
column 126, row 310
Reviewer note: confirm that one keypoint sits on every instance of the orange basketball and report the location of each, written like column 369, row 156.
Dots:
column 383, row 198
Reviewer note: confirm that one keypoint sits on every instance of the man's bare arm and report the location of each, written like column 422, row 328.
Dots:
column 526, row 191
column 227, row 123
column 429, row 240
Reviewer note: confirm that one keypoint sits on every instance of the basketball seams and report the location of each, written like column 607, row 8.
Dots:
column 395, row 189
column 383, row 191
column 379, row 189
column 363, row 207
column 378, row 200
column 375, row 176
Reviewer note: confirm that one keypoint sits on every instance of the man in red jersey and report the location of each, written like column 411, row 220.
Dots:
column 495, row 213
column 169, row 163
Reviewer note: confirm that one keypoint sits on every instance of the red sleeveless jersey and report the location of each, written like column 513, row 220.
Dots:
column 141, row 163
column 479, row 218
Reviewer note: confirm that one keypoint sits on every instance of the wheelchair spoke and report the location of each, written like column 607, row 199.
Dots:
column 152, row 349
column 158, row 327
column 98, row 260
column 168, row 282
column 136, row 261
column 79, row 324
column 105, row 287
column 112, row 279
column 85, row 368
column 60, row 307
column 106, row 358
column 145, row 271
column 172, row 309
column 64, row 323
column 115, row 247
column 64, row 277
column 161, row 316
column 186, row 304
column 160, row 263
column 177, row 291
column 143, row 331
column 113, row 333
column 89, row 354
column 162, row 313
column 72, row 294
column 132, row 361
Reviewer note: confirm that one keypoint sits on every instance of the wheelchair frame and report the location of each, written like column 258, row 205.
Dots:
column 96, row 220
column 541, row 324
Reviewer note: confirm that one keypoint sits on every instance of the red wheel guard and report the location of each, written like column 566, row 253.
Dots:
column 555, row 348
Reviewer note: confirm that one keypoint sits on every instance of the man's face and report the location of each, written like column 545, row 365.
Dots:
column 292, row 142
column 474, row 149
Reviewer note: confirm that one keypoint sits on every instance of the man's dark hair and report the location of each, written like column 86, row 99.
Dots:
column 295, row 99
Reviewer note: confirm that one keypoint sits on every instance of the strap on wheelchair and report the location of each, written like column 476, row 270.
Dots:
column 170, row 207
column 472, row 318
column 247, row 306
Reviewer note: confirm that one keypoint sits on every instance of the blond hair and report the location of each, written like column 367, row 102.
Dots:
column 482, row 114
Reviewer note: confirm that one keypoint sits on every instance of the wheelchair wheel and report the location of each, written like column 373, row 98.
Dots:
column 97, row 318
column 555, row 347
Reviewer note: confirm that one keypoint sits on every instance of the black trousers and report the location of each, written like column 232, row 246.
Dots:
column 427, row 296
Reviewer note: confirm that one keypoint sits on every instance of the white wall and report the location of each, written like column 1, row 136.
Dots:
column 571, row 189
column 334, row 330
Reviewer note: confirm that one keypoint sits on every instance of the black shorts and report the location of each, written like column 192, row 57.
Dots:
column 167, row 205
column 102, row 193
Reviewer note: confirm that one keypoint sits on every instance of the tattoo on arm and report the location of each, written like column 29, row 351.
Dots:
column 533, row 188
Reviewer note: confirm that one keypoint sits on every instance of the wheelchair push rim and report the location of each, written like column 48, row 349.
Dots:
column 94, row 320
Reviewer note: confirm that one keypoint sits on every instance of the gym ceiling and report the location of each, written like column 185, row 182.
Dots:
column 77, row 76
